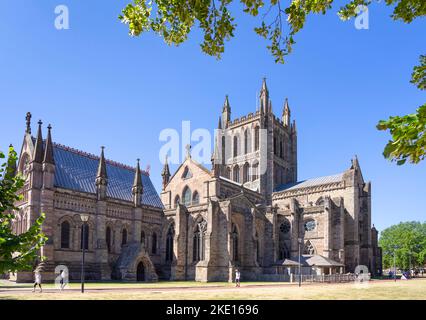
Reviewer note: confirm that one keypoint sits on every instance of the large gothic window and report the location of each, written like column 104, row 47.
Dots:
column 86, row 237
column 235, row 240
column 223, row 150
column 187, row 194
column 237, row 174
column 246, row 175
column 199, row 241
column 235, row 146
column 154, row 243
column 246, row 141
column 124, row 237
column 108, row 239
column 256, row 138
column 309, row 249
column 284, row 233
column 170, row 243
column 65, row 235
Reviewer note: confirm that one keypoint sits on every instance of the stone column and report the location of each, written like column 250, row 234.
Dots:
column 101, row 249
column 179, row 272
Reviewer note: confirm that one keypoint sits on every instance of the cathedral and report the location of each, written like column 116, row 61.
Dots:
column 248, row 211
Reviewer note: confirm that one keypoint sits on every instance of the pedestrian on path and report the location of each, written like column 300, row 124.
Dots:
column 238, row 278
column 37, row 281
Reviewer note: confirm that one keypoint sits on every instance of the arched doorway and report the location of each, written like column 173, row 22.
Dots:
column 140, row 273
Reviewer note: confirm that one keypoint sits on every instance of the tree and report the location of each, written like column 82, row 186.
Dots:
column 408, row 241
column 408, row 132
column 174, row 20
column 17, row 252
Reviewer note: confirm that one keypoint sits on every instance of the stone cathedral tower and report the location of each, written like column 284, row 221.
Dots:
column 258, row 150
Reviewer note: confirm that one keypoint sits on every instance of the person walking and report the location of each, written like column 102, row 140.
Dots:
column 238, row 278
column 37, row 281
column 62, row 281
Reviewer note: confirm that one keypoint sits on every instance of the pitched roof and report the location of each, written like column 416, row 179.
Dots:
column 310, row 183
column 76, row 170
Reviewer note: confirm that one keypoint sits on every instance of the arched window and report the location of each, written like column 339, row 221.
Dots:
column 195, row 198
column 186, row 173
column 124, row 237
column 235, row 240
column 246, row 174
column 108, row 239
column 228, row 173
column 199, row 241
column 65, row 235
column 237, row 173
column 284, row 234
column 246, row 141
column 143, row 239
column 235, row 146
column 86, row 237
column 169, row 243
column 281, row 150
column 223, row 150
column 255, row 171
column 186, row 197
column 154, row 243
column 256, row 138
column 309, row 249
column 177, row 201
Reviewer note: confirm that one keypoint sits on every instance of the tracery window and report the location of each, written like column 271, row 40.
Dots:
column 170, row 243
column 309, row 249
column 199, row 242
column 187, row 194
column 65, row 235
column 310, row 225
column 235, row 240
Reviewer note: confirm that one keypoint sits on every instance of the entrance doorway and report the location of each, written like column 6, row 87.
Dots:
column 140, row 273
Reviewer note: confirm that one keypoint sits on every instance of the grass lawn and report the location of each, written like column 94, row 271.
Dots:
column 375, row 290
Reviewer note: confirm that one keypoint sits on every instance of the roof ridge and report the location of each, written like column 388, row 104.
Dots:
column 95, row 157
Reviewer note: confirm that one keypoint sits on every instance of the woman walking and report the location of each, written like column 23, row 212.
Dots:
column 37, row 281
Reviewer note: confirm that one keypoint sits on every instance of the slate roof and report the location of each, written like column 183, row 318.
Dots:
column 76, row 170
column 310, row 183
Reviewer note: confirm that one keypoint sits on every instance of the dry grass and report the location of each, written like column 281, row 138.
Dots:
column 377, row 290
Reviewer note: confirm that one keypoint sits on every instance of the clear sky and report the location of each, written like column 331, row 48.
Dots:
column 98, row 86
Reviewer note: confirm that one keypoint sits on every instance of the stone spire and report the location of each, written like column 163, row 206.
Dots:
column 215, row 160
column 28, row 122
column 286, row 113
column 226, row 113
column 264, row 97
column 102, row 177
column 137, row 189
column 38, row 150
column 48, row 154
column 355, row 163
column 166, row 174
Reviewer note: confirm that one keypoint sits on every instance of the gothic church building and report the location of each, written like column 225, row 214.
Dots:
column 248, row 212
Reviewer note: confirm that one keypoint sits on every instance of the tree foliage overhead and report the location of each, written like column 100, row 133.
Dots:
column 17, row 252
column 278, row 23
column 408, row 132
column 408, row 241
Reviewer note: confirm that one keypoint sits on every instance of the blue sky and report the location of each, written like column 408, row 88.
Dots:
column 98, row 86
